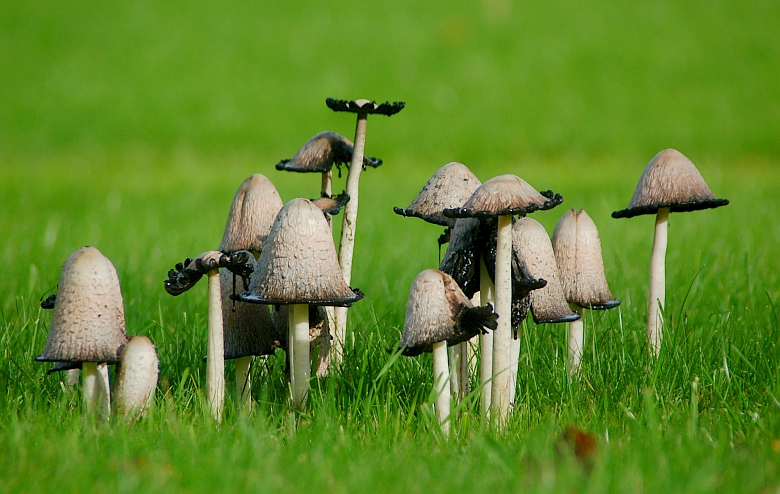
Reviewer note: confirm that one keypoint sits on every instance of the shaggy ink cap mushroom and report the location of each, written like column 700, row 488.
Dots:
column 254, row 207
column 505, row 195
column 320, row 153
column 137, row 375
column 331, row 205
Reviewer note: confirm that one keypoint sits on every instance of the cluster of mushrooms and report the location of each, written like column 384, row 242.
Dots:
column 277, row 281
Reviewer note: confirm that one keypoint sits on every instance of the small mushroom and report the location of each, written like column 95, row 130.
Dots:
column 363, row 108
column 298, row 267
column 669, row 183
column 439, row 314
column 577, row 250
column 88, row 325
column 136, row 377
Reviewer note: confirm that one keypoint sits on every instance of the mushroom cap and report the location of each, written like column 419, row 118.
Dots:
column 331, row 205
column 437, row 310
column 88, row 324
column 321, row 152
column 578, row 254
column 251, row 215
column 248, row 330
column 671, row 181
column 533, row 251
column 450, row 187
column 137, row 376
column 461, row 259
column 298, row 264
column 502, row 195
column 365, row 106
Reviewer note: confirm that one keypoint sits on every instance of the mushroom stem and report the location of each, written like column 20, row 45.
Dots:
column 441, row 374
column 657, row 282
column 502, row 336
column 215, row 352
column 514, row 363
column 459, row 378
column 487, row 296
column 349, row 223
column 330, row 314
column 96, row 390
column 327, row 184
column 72, row 377
column 576, row 340
column 298, row 345
column 244, row 380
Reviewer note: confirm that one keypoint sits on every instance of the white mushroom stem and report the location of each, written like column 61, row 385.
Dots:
column 487, row 296
column 72, row 377
column 657, row 296
column 441, row 373
column 96, row 389
column 298, row 346
column 349, row 223
column 514, row 364
column 244, row 380
column 327, row 183
column 215, row 352
column 502, row 336
column 576, row 340
column 324, row 355
column 459, row 378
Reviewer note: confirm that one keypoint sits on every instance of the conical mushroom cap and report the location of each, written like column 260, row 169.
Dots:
column 437, row 310
column 251, row 215
column 248, row 330
column 298, row 264
column 578, row 254
column 88, row 324
column 502, row 195
column 671, row 181
column 137, row 376
column 450, row 187
column 533, row 250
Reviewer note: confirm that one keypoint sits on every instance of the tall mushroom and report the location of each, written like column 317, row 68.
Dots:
column 88, row 324
column 298, row 267
column 669, row 183
column 577, row 250
column 363, row 108
column 439, row 314
column 503, row 197
column 137, row 374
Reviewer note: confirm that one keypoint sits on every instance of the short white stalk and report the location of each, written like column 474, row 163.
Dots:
column 72, row 377
column 657, row 296
column 95, row 389
column 502, row 336
column 215, row 352
column 349, row 224
column 244, row 380
column 487, row 296
column 441, row 373
column 298, row 344
column 576, row 340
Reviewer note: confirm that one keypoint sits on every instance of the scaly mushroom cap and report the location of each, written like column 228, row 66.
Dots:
column 502, row 195
column 365, row 106
column 532, row 250
column 88, row 324
column 321, row 152
column 248, row 330
column 671, row 181
column 251, row 215
column 578, row 254
column 298, row 264
column 450, row 187
column 437, row 310
column 137, row 376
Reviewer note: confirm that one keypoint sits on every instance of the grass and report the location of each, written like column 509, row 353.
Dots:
column 130, row 128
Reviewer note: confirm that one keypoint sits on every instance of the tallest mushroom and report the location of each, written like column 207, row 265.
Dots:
column 363, row 108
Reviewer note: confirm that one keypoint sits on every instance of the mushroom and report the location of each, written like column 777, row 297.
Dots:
column 363, row 108
column 503, row 197
column 136, row 377
column 298, row 267
column 577, row 250
column 669, row 183
column 88, row 324
column 439, row 314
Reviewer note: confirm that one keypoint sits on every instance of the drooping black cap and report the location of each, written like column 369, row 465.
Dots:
column 365, row 106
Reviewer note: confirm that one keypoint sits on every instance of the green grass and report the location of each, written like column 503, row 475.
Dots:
column 130, row 128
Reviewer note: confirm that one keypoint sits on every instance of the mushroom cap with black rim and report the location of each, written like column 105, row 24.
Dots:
column 88, row 324
column 321, row 152
column 332, row 205
column 533, row 251
column 298, row 264
column 254, row 207
column 577, row 250
column 504, row 195
column 365, row 106
column 438, row 310
column 670, row 180
column 450, row 187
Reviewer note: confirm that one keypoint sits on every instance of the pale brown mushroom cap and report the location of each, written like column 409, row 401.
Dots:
column 137, row 376
column 450, row 187
column 252, row 213
column 321, row 152
column 88, row 324
column 532, row 249
column 298, row 264
column 578, row 254
column 671, row 181
column 505, row 195
column 248, row 330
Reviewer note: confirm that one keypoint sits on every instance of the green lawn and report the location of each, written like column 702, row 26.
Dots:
column 130, row 128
